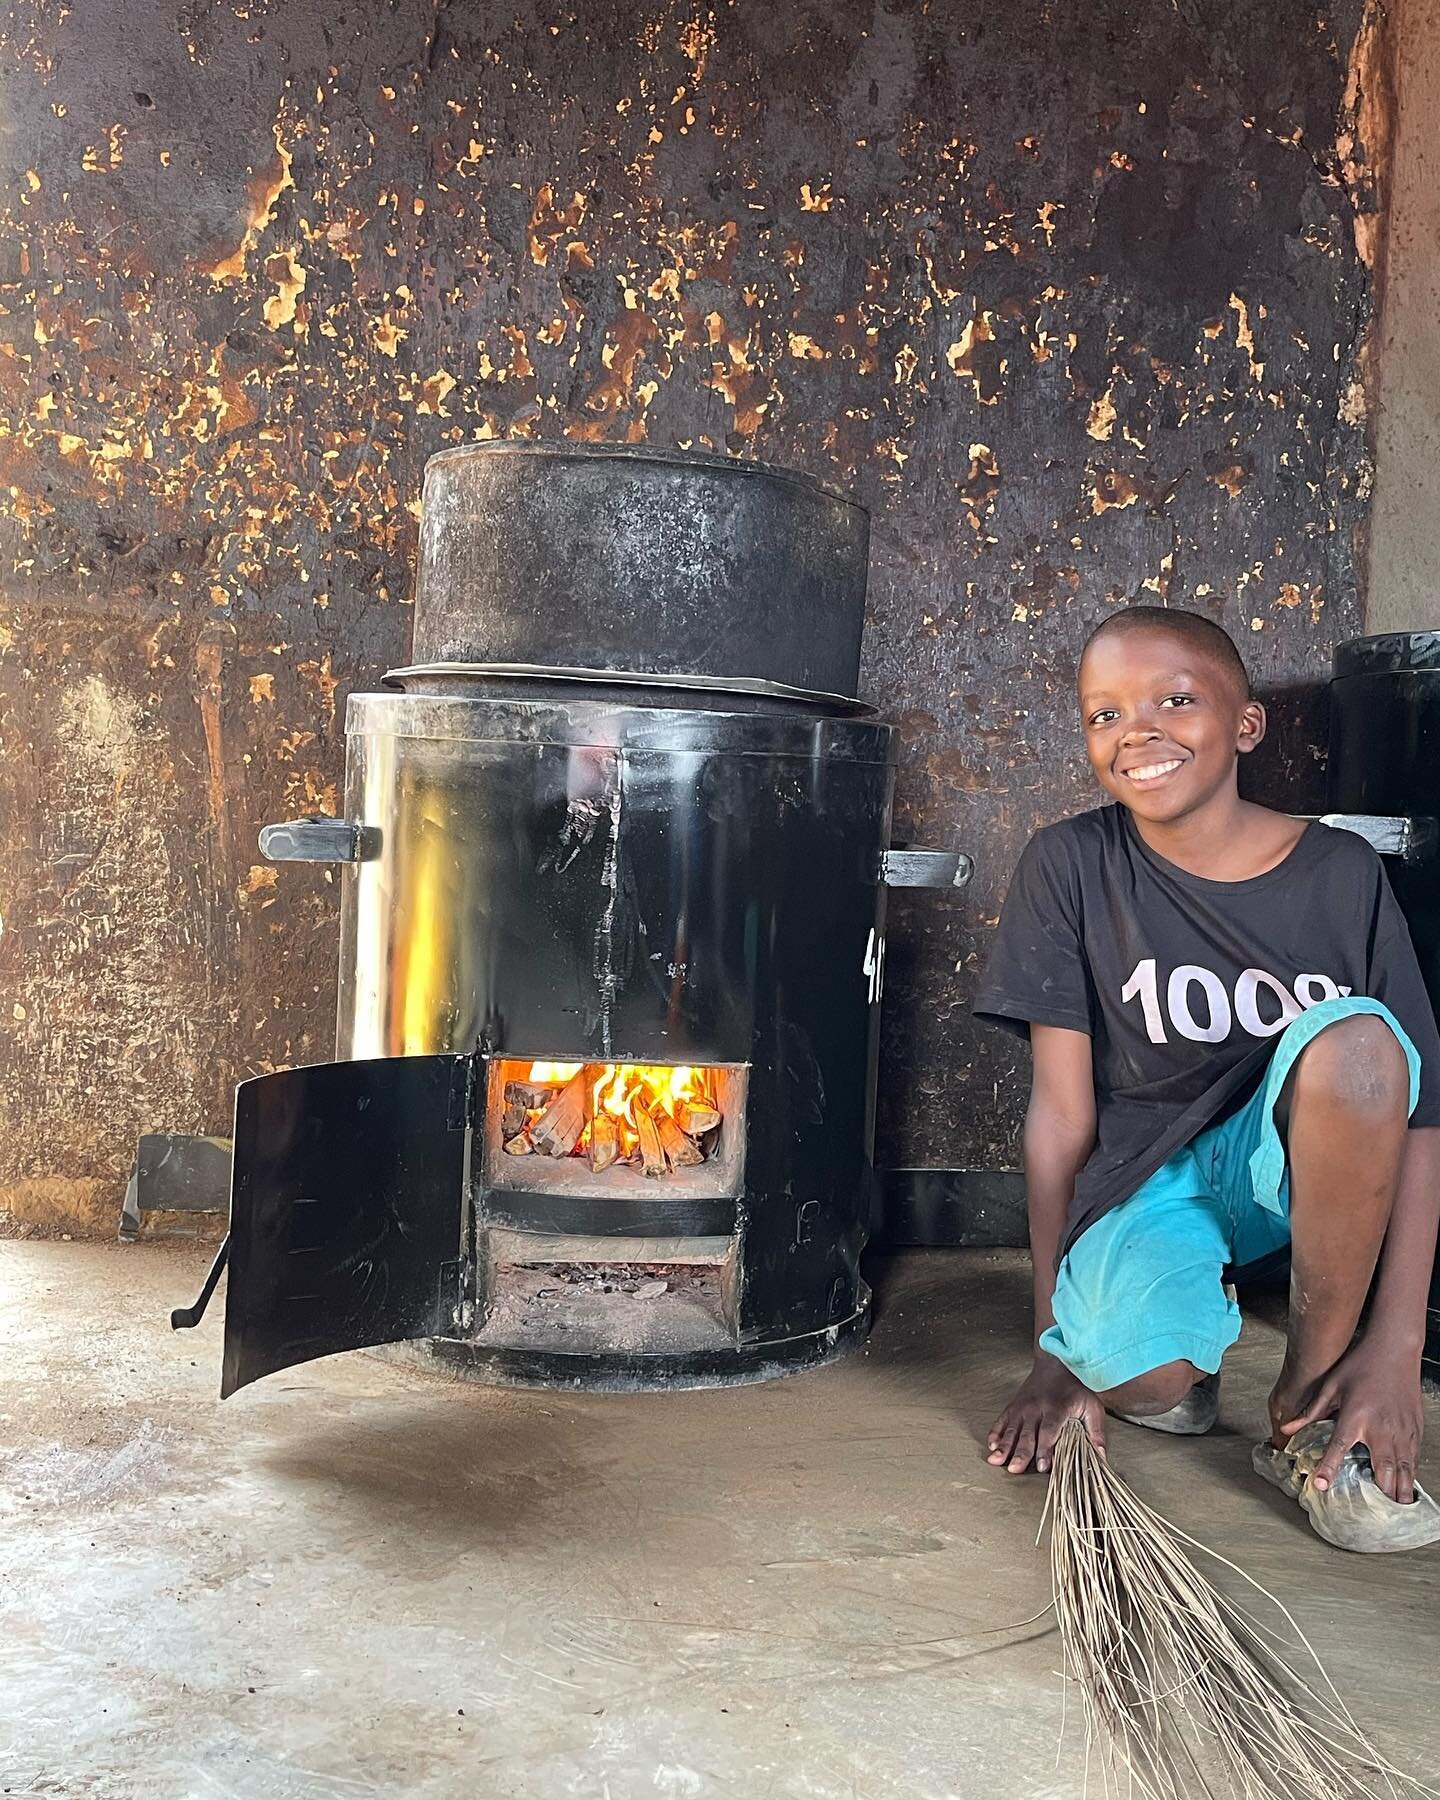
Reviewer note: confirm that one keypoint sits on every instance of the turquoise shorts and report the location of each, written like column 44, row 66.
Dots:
column 1144, row 1285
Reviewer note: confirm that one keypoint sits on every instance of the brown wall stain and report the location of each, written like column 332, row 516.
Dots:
column 1072, row 298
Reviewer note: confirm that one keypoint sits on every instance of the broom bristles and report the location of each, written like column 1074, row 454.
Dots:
column 1182, row 1688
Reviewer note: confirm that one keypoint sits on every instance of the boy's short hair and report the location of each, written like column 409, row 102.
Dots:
column 1203, row 634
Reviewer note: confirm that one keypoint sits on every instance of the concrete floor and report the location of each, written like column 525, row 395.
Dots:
column 362, row 1579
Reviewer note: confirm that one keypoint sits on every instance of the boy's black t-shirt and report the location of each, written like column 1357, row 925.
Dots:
column 1182, row 983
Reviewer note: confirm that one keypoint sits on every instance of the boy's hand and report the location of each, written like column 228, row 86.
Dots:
column 1373, row 1395
column 1026, row 1431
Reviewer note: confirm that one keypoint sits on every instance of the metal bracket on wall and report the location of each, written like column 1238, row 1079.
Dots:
column 908, row 866
column 319, row 840
column 176, row 1171
column 1407, row 838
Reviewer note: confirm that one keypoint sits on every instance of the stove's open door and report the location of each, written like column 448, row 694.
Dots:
column 346, row 1209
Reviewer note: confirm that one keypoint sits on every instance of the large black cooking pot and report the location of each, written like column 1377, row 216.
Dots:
column 585, row 557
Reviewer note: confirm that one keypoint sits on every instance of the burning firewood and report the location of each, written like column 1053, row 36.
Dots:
column 519, row 1145
column 681, row 1152
column 557, row 1130
column 695, row 1118
column 604, row 1141
column 528, row 1095
column 512, row 1121
column 652, row 1156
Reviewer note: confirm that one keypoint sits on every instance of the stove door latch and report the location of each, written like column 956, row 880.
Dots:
column 908, row 866
column 319, row 840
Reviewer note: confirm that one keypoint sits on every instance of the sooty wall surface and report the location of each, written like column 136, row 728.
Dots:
column 1073, row 297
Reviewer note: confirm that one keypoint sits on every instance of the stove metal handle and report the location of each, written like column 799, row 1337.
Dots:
column 1411, row 839
column 908, row 866
column 185, row 1318
column 318, row 840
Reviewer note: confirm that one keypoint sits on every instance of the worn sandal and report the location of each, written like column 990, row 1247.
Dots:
column 1193, row 1417
column 1351, row 1513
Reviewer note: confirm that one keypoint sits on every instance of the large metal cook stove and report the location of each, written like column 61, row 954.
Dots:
column 623, row 810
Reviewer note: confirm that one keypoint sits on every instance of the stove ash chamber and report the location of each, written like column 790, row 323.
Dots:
column 602, row 1113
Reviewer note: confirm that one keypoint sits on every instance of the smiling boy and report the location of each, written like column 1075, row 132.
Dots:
column 1233, row 1051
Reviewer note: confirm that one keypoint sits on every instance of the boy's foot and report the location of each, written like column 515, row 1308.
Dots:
column 1194, row 1416
column 1351, row 1513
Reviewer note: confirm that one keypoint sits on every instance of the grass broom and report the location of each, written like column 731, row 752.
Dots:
column 1182, row 1689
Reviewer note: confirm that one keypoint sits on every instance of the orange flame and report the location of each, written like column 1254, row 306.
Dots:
column 551, row 1073
column 619, row 1085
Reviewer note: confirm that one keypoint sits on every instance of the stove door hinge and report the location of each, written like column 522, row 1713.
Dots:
column 451, row 1304
column 459, row 1113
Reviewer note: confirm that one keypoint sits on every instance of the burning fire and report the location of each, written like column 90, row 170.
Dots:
column 552, row 1074
column 619, row 1086
column 660, row 1117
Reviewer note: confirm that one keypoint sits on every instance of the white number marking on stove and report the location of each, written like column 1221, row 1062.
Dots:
column 873, row 967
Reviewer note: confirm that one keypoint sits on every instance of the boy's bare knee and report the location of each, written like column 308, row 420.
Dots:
column 1356, row 1063
column 1156, row 1391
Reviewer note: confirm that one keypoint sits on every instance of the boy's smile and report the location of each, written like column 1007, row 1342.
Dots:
column 1151, row 773
column 1163, row 723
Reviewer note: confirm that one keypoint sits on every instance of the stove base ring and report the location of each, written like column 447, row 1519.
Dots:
column 619, row 1372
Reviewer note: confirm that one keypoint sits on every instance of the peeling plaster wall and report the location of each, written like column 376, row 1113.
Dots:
column 1070, row 296
column 1403, row 588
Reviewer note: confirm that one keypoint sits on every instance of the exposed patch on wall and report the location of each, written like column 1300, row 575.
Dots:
column 1071, row 298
